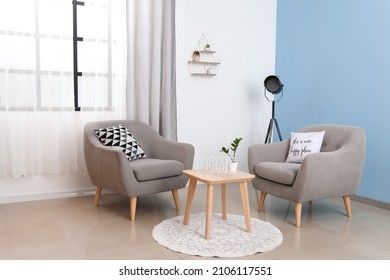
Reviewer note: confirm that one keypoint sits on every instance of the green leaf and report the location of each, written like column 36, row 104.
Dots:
column 235, row 143
column 225, row 150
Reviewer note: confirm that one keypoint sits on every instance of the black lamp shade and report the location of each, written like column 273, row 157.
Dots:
column 273, row 84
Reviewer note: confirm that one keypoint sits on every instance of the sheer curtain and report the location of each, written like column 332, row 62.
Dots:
column 151, row 76
column 40, row 131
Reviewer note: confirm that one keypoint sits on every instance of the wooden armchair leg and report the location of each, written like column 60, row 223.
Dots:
column 261, row 201
column 298, row 212
column 133, row 206
column 175, row 195
column 347, row 203
column 97, row 195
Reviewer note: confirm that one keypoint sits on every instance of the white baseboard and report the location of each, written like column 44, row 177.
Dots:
column 43, row 196
column 45, row 187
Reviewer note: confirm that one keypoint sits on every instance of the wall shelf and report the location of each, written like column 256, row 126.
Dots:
column 206, row 63
column 203, row 74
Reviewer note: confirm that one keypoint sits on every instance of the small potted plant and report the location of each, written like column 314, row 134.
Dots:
column 233, row 147
column 207, row 47
column 196, row 56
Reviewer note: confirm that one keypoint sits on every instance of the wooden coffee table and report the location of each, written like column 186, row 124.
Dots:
column 218, row 178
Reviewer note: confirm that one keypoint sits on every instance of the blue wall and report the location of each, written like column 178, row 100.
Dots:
column 333, row 56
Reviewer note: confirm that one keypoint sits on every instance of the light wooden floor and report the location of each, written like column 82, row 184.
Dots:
column 75, row 228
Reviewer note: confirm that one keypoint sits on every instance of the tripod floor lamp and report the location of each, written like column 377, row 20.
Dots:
column 273, row 85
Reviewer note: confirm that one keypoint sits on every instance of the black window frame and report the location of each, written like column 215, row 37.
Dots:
column 76, row 74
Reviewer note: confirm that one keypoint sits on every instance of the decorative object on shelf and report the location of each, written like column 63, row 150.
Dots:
column 233, row 147
column 196, row 56
column 273, row 85
column 210, row 71
column 204, row 60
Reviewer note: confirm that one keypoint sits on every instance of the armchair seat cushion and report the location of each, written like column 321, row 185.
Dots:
column 150, row 169
column 280, row 172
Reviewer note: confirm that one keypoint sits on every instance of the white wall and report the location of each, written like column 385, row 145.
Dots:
column 212, row 111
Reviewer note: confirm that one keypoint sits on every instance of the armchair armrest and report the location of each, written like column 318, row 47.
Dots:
column 166, row 149
column 274, row 152
column 107, row 166
column 329, row 174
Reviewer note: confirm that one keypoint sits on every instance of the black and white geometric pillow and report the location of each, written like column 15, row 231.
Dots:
column 119, row 136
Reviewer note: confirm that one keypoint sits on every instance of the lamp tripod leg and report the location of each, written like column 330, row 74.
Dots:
column 269, row 131
column 277, row 127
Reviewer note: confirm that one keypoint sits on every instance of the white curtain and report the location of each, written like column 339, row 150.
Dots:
column 151, row 75
column 40, row 131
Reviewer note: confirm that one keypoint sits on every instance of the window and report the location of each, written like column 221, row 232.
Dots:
column 38, row 59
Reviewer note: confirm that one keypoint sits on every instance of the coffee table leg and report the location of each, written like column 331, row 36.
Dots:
column 223, row 193
column 245, row 205
column 190, row 198
column 209, row 210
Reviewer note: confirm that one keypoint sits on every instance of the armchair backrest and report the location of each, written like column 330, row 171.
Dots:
column 338, row 136
column 143, row 133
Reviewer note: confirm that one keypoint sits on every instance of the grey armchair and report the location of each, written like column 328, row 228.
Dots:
column 160, row 171
column 334, row 172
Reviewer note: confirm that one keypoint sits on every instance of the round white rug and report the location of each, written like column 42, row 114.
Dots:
column 228, row 237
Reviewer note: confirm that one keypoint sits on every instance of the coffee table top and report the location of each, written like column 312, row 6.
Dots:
column 219, row 177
